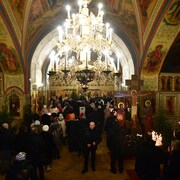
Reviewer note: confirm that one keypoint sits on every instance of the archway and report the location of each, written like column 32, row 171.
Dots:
column 39, row 63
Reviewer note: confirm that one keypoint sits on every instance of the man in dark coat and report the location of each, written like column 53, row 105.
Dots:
column 35, row 147
column 148, row 159
column 172, row 168
column 6, row 147
column 116, row 143
column 21, row 169
column 92, row 139
column 111, row 120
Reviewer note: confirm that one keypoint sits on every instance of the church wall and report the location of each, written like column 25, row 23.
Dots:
column 168, row 97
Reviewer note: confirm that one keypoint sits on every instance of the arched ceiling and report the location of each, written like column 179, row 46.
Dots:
column 145, row 27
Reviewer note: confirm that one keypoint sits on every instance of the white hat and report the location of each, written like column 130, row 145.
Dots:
column 45, row 128
column 5, row 125
column 21, row 156
column 32, row 124
column 61, row 117
column 37, row 122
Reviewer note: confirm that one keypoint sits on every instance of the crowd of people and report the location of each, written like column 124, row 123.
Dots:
column 33, row 148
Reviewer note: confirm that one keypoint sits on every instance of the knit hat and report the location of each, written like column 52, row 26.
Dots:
column 37, row 122
column 61, row 117
column 45, row 128
column 21, row 156
column 5, row 125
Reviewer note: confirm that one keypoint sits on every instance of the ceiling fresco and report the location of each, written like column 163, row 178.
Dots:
column 42, row 16
column 123, row 17
column 18, row 7
column 162, row 40
column 146, row 8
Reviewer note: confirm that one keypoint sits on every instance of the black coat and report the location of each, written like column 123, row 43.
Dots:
column 148, row 160
column 21, row 170
column 6, row 140
column 92, row 135
column 116, row 139
column 172, row 170
column 35, row 147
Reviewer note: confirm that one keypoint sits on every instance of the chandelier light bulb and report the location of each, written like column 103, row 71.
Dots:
column 80, row 2
column 68, row 8
column 100, row 7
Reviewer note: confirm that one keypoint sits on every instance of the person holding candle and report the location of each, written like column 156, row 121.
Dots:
column 148, row 159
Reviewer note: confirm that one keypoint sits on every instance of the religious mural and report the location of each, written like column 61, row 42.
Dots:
column 159, row 47
column 123, row 12
column 173, row 15
column 14, row 105
column 8, row 56
column 154, row 59
column 169, row 83
column 170, row 104
column 41, row 12
column 18, row 7
column 146, row 8
column 177, row 84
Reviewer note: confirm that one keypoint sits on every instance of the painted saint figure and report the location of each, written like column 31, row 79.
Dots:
column 170, row 105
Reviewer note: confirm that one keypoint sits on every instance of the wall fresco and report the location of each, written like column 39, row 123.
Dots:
column 154, row 59
column 173, row 15
column 8, row 56
column 160, row 45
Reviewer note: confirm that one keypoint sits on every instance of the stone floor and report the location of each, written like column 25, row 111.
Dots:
column 71, row 164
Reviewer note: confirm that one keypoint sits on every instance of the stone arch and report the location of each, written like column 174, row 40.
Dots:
column 48, row 43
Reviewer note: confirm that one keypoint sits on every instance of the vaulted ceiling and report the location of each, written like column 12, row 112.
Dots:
column 149, row 28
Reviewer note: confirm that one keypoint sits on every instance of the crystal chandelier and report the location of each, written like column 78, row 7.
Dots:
column 82, row 35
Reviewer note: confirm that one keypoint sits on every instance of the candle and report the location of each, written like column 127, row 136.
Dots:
column 68, row 8
column 107, row 30
column 73, row 17
column 80, row 5
column 110, row 34
column 65, row 59
column 99, row 8
column 56, row 63
column 102, row 14
column 118, row 57
column 60, row 31
column 66, row 29
column 53, row 64
column 86, row 60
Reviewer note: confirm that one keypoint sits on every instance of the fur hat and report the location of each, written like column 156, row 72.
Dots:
column 61, row 117
column 45, row 128
column 5, row 125
column 37, row 122
column 21, row 156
